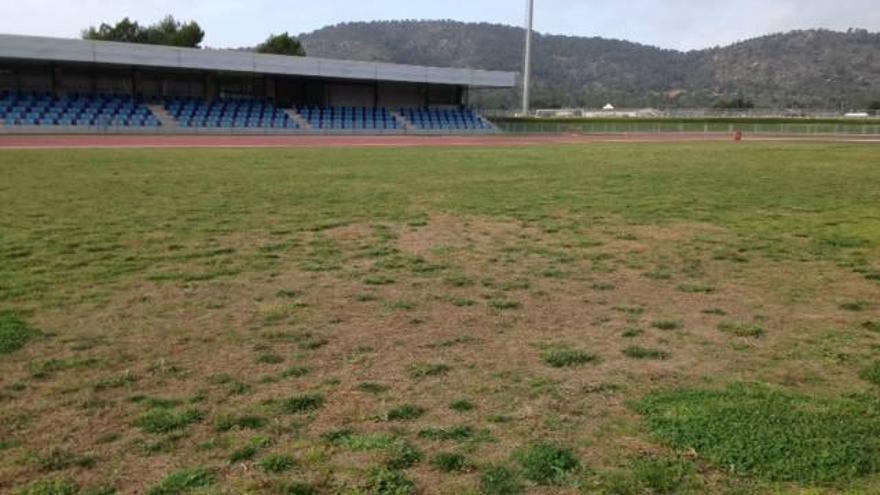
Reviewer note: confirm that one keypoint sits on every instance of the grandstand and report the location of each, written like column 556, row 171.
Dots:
column 51, row 85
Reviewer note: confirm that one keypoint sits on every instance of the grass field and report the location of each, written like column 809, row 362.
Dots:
column 805, row 126
column 620, row 319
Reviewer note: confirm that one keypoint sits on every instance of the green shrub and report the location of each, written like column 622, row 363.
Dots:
column 499, row 480
column 545, row 463
column 778, row 436
column 14, row 332
column 185, row 481
column 566, row 358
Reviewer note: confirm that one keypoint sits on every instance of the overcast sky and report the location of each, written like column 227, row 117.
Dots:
column 682, row 24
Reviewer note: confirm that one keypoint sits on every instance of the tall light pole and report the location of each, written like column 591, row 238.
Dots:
column 527, row 64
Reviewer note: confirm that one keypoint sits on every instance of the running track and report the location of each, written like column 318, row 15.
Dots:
column 26, row 142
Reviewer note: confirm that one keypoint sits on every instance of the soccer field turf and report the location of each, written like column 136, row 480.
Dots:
column 622, row 319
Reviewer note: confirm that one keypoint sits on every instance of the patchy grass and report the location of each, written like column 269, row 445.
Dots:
column 770, row 434
column 215, row 307
column 667, row 325
column 277, row 463
column 406, row 412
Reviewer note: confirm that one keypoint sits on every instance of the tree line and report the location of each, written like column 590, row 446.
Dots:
column 171, row 32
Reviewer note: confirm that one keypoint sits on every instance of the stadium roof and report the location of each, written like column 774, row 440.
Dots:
column 37, row 48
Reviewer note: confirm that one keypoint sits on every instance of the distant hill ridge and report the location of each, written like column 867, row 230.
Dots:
column 807, row 69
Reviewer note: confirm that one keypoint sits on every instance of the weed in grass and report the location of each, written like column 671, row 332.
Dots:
column 856, row 306
column 61, row 459
column 752, row 330
column 378, row 280
column 663, row 476
column 462, row 405
column 14, row 332
column 454, row 434
column 504, row 304
column 632, row 332
column 636, row 352
column 227, row 423
column 458, row 280
column 313, row 343
column 350, row 440
column 270, row 359
column 603, row 286
column 373, row 388
column 872, row 373
column 667, row 324
column 500, row 480
column 302, row 404
column 277, row 463
column 450, row 463
column 770, row 434
column 50, row 487
column 166, row 421
column 384, row 481
column 402, row 455
column 406, row 412
column 424, row 370
column 546, row 463
column 714, row 311
column 696, row 288
column 568, row 358
column 872, row 326
column 295, row 372
column 185, row 481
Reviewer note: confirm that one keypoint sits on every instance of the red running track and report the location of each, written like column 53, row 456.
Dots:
column 11, row 142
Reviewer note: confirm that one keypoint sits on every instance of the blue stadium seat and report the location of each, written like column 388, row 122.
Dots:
column 44, row 109
column 228, row 114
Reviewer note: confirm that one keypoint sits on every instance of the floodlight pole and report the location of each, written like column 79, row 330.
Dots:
column 527, row 65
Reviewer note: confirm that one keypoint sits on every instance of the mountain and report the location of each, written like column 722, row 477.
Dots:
column 807, row 69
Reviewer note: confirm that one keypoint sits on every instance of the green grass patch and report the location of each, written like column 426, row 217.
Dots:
column 14, row 332
column 277, row 463
column 384, row 481
column 664, row 476
column 450, row 463
column 872, row 326
column 302, row 404
column 637, row 352
column 501, row 480
column 406, row 412
column 872, row 373
column 161, row 420
column 752, row 330
column 462, row 406
column 757, row 431
column 453, row 434
column 546, row 464
column 185, row 481
column 568, row 358
column 50, row 487
column 667, row 324
column 227, row 423
column 424, row 370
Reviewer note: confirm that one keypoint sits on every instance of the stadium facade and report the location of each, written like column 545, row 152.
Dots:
column 50, row 85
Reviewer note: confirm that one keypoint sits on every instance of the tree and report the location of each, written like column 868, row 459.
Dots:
column 282, row 44
column 168, row 31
